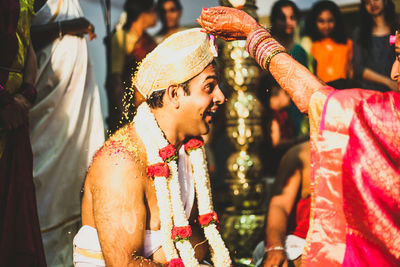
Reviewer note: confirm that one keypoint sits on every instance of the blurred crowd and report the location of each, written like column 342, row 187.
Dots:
column 51, row 123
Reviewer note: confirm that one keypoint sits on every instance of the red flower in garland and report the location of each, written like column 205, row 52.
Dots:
column 158, row 169
column 168, row 153
column 180, row 233
column 193, row 144
column 208, row 218
column 176, row 263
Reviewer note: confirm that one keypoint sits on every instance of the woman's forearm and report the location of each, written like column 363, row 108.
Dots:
column 232, row 24
column 295, row 79
column 43, row 35
column 292, row 76
column 372, row 76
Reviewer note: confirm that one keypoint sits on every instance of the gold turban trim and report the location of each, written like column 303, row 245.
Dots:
column 177, row 59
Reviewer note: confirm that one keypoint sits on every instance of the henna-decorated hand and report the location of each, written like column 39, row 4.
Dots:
column 227, row 23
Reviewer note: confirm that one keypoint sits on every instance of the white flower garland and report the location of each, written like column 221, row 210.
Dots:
column 220, row 254
column 169, row 194
column 160, row 184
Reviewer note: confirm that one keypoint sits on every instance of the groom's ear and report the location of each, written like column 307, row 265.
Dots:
column 172, row 95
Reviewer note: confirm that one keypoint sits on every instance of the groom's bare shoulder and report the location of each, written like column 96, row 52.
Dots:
column 122, row 156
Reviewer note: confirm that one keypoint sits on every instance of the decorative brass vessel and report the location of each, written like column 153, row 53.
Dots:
column 242, row 223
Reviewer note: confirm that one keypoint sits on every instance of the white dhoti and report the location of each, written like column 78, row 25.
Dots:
column 294, row 246
column 87, row 250
column 66, row 130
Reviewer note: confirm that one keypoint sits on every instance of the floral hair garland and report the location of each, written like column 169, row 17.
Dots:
column 163, row 167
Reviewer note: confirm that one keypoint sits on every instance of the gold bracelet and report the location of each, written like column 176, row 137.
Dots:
column 199, row 244
column 270, row 56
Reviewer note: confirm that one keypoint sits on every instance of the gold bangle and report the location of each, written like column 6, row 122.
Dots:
column 199, row 244
column 270, row 56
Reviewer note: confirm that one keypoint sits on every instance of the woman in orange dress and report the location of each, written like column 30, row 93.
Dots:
column 331, row 49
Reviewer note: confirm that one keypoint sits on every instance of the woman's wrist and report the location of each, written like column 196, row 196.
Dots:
column 255, row 27
column 262, row 47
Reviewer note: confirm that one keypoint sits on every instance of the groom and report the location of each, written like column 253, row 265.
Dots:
column 129, row 191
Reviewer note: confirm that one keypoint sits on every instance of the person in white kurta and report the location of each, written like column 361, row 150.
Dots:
column 66, row 125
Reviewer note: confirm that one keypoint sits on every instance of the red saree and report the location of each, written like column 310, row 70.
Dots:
column 371, row 182
column 355, row 181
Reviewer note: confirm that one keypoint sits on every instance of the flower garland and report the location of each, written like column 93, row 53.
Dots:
column 159, row 155
column 220, row 254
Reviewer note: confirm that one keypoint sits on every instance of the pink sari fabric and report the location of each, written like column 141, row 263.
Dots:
column 371, row 181
column 341, row 228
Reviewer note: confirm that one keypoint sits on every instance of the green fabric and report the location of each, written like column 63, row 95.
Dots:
column 298, row 53
column 297, row 118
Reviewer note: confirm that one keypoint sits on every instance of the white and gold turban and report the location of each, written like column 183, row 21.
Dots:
column 177, row 59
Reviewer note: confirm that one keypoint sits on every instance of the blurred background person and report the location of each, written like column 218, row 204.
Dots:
column 130, row 43
column 287, row 219
column 331, row 49
column 278, row 127
column 288, row 216
column 284, row 21
column 66, row 121
column 20, row 242
column 169, row 12
column 373, row 56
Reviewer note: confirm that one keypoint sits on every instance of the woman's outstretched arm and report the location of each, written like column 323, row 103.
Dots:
column 233, row 24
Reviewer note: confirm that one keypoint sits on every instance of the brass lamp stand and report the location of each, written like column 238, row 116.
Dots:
column 242, row 223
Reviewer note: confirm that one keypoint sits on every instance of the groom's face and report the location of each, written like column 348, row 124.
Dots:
column 198, row 108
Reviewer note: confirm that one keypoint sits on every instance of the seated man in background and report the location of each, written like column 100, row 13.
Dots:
column 288, row 215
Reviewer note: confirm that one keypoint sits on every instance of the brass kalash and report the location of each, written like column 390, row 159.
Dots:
column 243, row 223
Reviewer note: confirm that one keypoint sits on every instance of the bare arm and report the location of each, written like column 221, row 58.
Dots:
column 119, row 209
column 281, row 206
column 43, row 35
column 294, row 78
column 372, row 76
